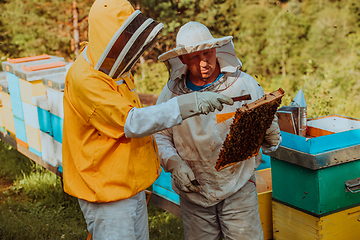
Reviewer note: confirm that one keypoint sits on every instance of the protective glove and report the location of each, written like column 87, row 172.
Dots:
column 197, row 103
column 272, row 138
column 181, row 174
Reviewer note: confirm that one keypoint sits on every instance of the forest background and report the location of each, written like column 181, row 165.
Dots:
column 297, row 44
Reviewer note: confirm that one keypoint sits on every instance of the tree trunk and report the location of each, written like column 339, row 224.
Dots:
column 142, row 62
column 76, row 29
column 283, row 63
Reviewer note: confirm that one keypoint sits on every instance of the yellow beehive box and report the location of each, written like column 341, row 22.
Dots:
column 33, row 138
column 1, row 117
column 290, row 223
column 5, row 100
column 264, row 188
column 28, row 90
column 7, row 119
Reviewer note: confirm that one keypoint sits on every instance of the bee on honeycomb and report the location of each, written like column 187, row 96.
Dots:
column 247, row 132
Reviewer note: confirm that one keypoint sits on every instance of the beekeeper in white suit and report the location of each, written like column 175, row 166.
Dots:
column 214, row 205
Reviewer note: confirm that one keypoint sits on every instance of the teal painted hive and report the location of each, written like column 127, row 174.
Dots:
column 312, row 173
column 319, row 191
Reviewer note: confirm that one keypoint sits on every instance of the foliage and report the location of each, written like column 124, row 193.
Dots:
column 37, row 26
column 285, row 41
column 151, row 78
column 163, row 225
column 249, row 36
column 274, row 39
column 41, row 185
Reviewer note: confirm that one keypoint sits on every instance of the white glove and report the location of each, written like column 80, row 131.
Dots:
column 197, row 103
column 272, row 138
column 181, row 174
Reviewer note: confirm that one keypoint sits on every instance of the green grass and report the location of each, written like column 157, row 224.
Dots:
column 34, row 206
column 164, row 225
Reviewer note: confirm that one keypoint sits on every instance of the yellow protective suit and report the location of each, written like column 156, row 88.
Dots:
column 99, row 163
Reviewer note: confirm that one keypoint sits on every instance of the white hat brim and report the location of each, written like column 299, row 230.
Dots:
column 178, row 51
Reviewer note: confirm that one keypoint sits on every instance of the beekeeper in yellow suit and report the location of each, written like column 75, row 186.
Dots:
column 109, row 154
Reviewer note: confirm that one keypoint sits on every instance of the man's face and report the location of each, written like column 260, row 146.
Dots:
column 201, row 64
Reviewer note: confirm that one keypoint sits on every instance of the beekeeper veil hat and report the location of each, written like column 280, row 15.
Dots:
column 134, row 36
column 193, row 37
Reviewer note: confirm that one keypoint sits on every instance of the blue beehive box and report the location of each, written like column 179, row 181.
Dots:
column 55, row 85
column 44, row 116
column 45, row 121
column 348, row 135
column 14, row 87
column 20, row 131
column 57, row 127
column 14, row 90
column 36, row 152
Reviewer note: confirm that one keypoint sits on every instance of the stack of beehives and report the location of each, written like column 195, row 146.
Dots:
column 32, row 110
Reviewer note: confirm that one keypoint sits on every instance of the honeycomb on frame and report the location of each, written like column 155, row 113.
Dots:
column 247, row 132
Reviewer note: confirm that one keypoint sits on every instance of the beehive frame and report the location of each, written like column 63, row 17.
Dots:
column 248, row 129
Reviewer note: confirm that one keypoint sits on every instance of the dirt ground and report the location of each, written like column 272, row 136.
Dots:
column 4, row 186
column 6, row 192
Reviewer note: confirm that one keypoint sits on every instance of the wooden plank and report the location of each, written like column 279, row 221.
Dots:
column 43, row 66
column 166, row 205
column 265, row 211
column 290, row 223
column 28, row 59
column 263, row 177
column 341, row 225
